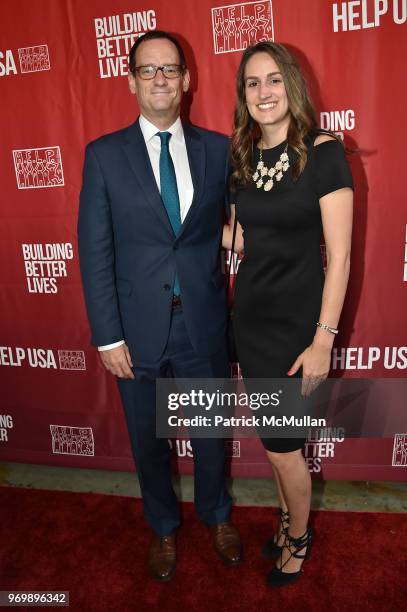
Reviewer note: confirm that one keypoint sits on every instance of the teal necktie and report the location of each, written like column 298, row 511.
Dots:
column 169, row 191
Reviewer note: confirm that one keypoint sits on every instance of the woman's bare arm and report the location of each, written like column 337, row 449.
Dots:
column 228, row 233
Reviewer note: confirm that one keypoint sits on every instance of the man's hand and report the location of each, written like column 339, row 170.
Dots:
column 118, row 361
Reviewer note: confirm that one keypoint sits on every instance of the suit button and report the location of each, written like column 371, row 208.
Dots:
column 167, row 287
column 175, row 247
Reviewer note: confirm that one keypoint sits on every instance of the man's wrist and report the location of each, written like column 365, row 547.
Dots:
column 108, row 347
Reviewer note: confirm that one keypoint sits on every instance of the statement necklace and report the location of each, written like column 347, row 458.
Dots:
column 268, row 174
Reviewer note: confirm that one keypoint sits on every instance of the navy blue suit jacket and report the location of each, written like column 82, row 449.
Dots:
column 129, row 253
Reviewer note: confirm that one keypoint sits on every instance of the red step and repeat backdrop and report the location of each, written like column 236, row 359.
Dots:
column 63, row 82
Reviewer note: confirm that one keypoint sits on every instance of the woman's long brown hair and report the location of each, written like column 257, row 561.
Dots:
column 302, row 114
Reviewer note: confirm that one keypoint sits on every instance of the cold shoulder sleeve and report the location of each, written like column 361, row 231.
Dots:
column 332, row 169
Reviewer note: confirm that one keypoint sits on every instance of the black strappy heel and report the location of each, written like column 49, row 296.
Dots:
column 277, row 577
column 271, row 550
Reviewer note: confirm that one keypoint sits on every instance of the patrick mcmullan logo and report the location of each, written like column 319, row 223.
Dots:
column 36, row 168
column 237, row 26
column 72, row 440
column 400, row 451
column 34, row 59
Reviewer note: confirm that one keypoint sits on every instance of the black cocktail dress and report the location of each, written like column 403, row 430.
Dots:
column 280, row 280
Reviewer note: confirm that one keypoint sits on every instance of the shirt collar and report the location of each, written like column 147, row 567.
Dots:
column 149, row 130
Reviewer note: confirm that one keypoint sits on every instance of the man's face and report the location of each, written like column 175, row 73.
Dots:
column 159, row 97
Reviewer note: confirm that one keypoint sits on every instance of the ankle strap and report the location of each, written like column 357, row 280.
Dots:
column 300, row 543
column 285, row 516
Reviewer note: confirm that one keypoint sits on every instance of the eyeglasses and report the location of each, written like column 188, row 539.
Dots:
column 170, row 71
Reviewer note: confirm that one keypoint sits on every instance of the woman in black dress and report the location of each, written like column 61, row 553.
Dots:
column 292, row 183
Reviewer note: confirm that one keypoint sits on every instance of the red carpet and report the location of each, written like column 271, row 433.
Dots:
column 94, row 546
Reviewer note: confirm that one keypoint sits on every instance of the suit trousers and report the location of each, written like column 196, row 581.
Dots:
column 152, row 455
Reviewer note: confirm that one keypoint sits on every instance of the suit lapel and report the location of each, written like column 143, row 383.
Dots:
column 137, row 155
column 197, row 164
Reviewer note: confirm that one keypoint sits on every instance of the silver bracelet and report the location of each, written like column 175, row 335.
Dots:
column 331, row 330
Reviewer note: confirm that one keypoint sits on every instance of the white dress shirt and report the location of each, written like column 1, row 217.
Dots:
column 179, row 156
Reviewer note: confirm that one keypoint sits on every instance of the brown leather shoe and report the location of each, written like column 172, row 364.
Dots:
column 162, row 557
column 227, row 543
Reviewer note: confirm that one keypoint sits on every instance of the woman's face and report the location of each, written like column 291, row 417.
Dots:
column 266, row 97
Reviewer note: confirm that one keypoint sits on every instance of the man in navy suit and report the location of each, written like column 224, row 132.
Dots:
column 149, row 235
